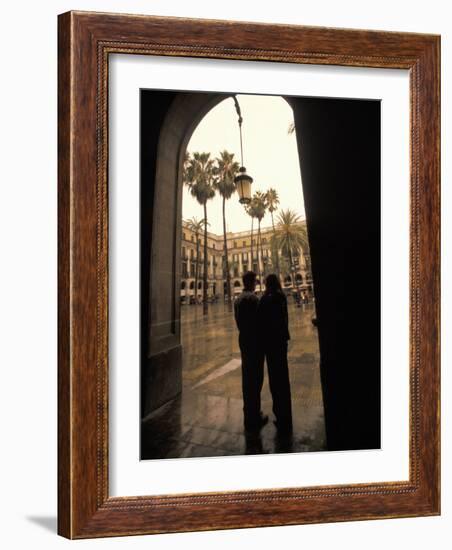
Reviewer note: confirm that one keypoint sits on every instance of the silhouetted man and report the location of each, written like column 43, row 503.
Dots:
column 245, row 309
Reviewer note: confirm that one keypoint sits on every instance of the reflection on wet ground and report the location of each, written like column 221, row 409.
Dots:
column 207, row 418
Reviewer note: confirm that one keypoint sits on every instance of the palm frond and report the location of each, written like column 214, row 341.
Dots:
column 225, row 171
column 291, row 234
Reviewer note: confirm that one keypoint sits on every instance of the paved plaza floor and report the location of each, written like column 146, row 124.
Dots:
column 207, row 418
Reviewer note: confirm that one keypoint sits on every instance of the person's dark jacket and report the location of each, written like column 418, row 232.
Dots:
column 245, row 310
column 273, row 318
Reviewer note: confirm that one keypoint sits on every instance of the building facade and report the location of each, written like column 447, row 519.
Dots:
column 298, row 276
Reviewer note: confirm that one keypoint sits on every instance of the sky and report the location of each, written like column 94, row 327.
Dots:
column 270, row 157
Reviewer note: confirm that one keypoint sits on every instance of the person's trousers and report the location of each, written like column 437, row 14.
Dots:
column 278, row 377
column 252, row 380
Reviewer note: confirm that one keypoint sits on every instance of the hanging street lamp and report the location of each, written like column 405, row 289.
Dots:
column 242, row 181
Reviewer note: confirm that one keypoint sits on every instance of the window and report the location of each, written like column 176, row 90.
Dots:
column 245, row 256
column 183, row 236
column 235, row 244
column 192, row 238
column 264, row 240
column 243, row 243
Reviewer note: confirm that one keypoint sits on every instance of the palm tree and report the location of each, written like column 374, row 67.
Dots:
column 291, row 235
column 258, row 207
column 199, row 176
column 251, row 212
column 226, row 171
column 261, row 207
column 196, row 226
column 272, row 206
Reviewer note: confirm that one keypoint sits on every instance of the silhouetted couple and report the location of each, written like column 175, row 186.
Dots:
column 263, row 335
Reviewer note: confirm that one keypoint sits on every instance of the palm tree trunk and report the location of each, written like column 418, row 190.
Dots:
column 278, row 272
column 262, row 250
column 292, row 268
column 226, row 257
column 251, row 259
column 204, row 284
column 196, row 269
column 257, row 247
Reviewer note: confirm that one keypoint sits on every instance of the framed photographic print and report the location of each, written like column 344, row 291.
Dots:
column 248, row 275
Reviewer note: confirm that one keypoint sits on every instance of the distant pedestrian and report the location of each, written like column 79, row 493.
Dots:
column 274, row 336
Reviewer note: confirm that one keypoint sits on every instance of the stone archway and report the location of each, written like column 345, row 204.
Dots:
column 162, row 356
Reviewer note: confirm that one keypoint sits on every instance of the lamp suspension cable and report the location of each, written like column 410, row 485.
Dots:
column 239, row 113
column 242, row 180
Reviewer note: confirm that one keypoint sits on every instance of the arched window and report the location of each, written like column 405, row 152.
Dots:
column 237, row 284
column 199, row 285
column 299, row 277
column 192, row 285
column 182, row 285
column 288, row 279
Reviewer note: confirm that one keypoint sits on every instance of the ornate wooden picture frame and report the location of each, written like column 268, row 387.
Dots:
column 86, row 40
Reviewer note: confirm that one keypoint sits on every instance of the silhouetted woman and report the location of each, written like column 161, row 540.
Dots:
column 274, row 334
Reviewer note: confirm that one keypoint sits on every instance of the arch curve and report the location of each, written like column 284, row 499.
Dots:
column 162, row 350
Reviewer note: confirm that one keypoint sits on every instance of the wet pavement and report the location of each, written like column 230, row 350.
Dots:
column 207, row 418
